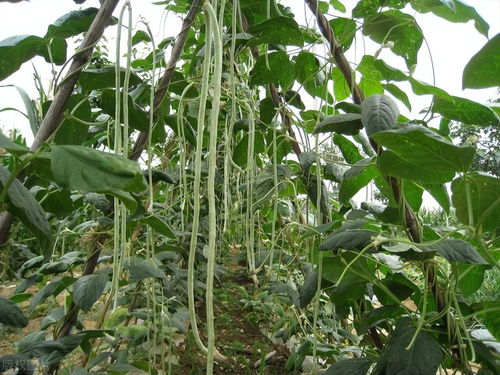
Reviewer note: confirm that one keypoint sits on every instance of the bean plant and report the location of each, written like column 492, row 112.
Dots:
column 149, row 171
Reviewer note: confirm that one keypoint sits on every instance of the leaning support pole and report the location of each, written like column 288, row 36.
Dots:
column 54, row 115
column 164, row 83
column 411, row 221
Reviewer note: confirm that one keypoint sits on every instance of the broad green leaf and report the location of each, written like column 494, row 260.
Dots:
column 306, row 66
column 57, row 202
column 71, row 131
column 264, row 183
column 11, row 315
column 116, row 317
column 399, row 28
column 483, row 69
column 138, row 118
column 386, row 214
column 371, row 81
column 471, row 278
column 398, row 285
column 10, row 146
column 87, row 290
column 484, row 200
column 178, row 83
column 371, row 86
column 355, row 179
column 89, row 170
column 16, row 50
column 333, row 172
column 293, row 98
column 240, row 152
column 56, row 286
column 353, row 366
column 308, row 289
column 58, row 51
column 277, row 30
column 462, row 12
column 135, row 335
column 392, row 74
column 465, row 111
column 412, row 149
column 158, row 175
column 310, row 118
column 53, row 351
column 422, row 88
column 144, row 268
column 159, row 226
column 30, row 339
column 413, row 195
column 334, row 267
column 280, row 70
column 449, row 3
column 378, row 113
column 409, row 252
column 337, row 5
column 71, row 24
column 27, row 282
column 457, row 250
column 365, row 8
column 344, row 30
column 23, row 205
column 140, row 36
column 423, row 358
column 354, row 239
column 188, row 124
column 53, row 268
column 440, row 194
column 388, row 72
column 267, row 111
column 346, row 123
column 340, row 87
column 348, row 149
column 307, row 70
column 374, row 317
column 52, row 317
column 95, row 79
column 30, row 264
column 390, row 164
column 398, row 94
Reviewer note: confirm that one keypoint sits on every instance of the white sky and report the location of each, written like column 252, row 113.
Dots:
column 451, row 45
